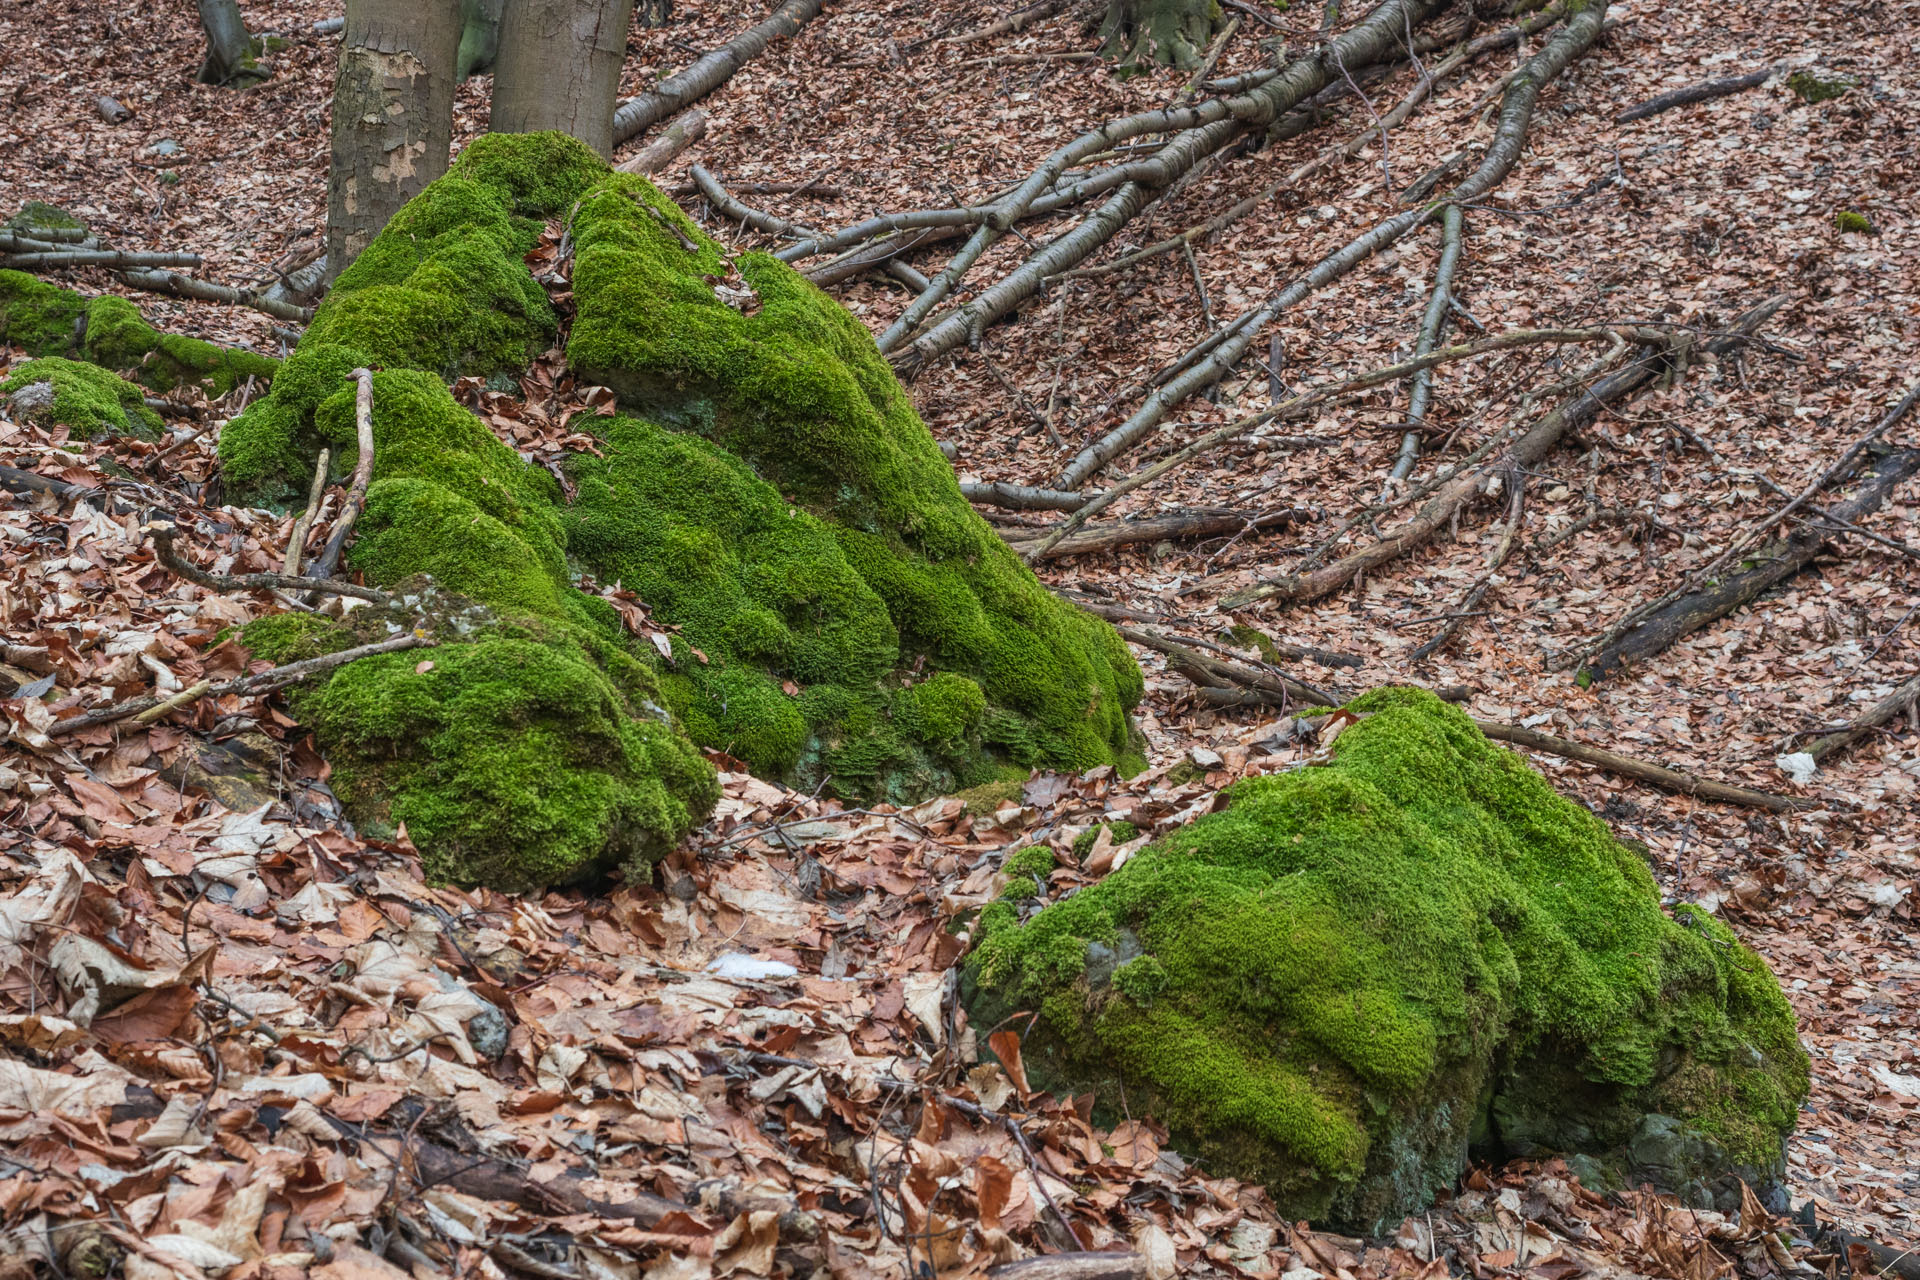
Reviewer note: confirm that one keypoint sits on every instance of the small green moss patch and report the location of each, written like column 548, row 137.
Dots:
column 86, row 399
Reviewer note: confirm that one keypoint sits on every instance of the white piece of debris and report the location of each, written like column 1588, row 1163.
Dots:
column 1799, row 766
column 738, row 966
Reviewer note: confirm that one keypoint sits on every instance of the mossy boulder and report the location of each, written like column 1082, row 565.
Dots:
column 89, row 401
column 832, row 611
column 1362, row 970
column 45, row 320
column 37, row 219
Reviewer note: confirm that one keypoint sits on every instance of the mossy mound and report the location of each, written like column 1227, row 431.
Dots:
column 1813, row 87
column 38, row 219
column 1359, row 970
column 839, row 615
column 45, row 320
column 747, row 355
column 89, row 401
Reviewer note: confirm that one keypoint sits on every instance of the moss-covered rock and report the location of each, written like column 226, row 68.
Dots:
column 45, row 320
column 36, row 219
column 89, row 401
column 839, row 614
column 746, row 354
column 1850, row 223
column 1360, row 969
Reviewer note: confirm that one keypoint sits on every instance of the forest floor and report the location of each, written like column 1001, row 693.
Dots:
column 643, row 1048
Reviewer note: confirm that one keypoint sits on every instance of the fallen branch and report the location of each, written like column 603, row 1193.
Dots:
column 1420, row 399
column 1226, row 351
column 818, row 190
column 18, row 481
column 1019, row 497
column 1666, row 779
column 1162, row 528
column 113, row 258
column 1197, row 132
column 247, row 686
column 297, row 542
column 1206, row 670
column 1659, row 629
column 1451, row 493
column 171, row 560
column 1705, row 92
column 1015, row 21
column 1307, row 400
column 191, row 694
column 179, row 286
column 687, row 128
column 362, row 476
column 725, row 205
column 1888, row 708
column 1074, row 1266
column 714, row 69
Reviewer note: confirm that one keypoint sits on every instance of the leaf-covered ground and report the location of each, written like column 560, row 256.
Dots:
column 774, row 1017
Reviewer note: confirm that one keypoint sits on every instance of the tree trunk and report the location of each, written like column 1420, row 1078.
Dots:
column 479, row 35
column 392, row 116
column 1171, row 32
column 231, row 53
column 559, row 68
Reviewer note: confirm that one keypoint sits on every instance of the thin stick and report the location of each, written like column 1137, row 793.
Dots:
column 1658, row 775
column 171, row 560
column 297, row 544
column 264, row 682
column 1421, row 397
column 362, row 476
column 192, row 693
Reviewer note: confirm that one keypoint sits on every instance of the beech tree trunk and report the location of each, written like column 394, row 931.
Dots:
column 479, row 35
column 232, row 56
column 1171, row 32
column 392, row 115
column 559, row 68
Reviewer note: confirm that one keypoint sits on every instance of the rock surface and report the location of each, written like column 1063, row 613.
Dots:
column 1361, row 971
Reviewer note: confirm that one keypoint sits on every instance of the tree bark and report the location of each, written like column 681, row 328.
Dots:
column 1170, row 32
column 479, row 36
column 392, row 116
column 559, row 68
column 232, row 56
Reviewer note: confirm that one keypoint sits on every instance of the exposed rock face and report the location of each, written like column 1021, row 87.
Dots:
column 1362, row 970
column 840, row 614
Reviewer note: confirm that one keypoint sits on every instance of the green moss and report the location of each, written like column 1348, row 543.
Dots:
column 39, row 318
column 1119, row 833
column 88, row 400
column 794, row 389
column 38, row 216
column 1813, row 88
column 1034, row 860
column 515, row 761
column 119, row 337
column 1356, row 959
column 1847, row 222
column 442, row 290
column 988, row 797
column 293, row 637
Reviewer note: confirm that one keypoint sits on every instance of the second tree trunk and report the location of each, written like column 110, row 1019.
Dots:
column 559, row 68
